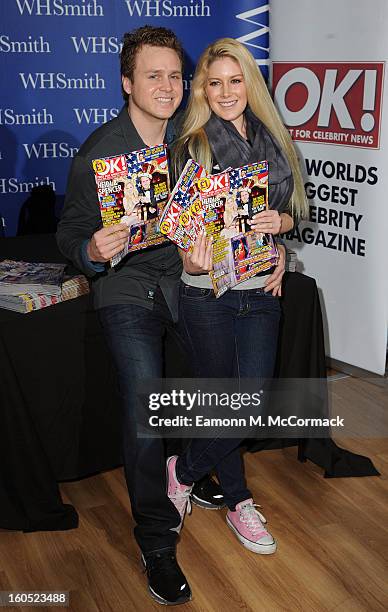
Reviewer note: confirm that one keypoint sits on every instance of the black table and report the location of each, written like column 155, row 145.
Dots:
column 60, row 415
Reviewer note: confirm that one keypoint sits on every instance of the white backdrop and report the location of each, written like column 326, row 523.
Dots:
column 328, row 77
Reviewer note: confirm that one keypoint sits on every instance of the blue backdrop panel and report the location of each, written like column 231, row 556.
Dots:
column 60, row 75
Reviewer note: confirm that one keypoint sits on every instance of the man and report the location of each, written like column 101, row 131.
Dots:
column 148, row 208
column 244, row 209
column 137, row 300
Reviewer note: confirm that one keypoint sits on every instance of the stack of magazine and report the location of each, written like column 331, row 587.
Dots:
column 223, row 205
column 26, row 286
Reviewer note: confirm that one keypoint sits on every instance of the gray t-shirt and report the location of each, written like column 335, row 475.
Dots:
column 203, row 281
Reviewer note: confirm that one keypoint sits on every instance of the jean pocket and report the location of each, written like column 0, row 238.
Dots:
column 195, row 293
column 269, row 295
column 260, row 291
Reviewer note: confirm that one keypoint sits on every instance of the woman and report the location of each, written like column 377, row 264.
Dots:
column 231, row 121
column 131, row 202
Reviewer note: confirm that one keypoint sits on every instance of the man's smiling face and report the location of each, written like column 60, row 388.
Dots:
column 145, row 182
column 156, row 89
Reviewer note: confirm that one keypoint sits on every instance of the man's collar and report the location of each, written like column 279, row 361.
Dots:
column 170, row 132
column 132, row 136
column 130, row 133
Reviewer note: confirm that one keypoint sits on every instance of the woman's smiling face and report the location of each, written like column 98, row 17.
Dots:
column 226, row 91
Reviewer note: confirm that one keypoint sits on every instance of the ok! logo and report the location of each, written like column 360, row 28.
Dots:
column 218, row 182
column 332, row 102
column 109, row 167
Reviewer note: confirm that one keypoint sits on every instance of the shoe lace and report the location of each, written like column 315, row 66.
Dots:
column 182, row 500
column 162, row 563
column 253, row 518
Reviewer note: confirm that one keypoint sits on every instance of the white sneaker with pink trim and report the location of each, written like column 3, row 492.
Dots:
column 178, row 493
column 247, row 524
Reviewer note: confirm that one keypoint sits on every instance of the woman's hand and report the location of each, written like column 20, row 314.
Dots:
column 267, row 222
column 200, row 259
column 287, row 223
column 274, row 282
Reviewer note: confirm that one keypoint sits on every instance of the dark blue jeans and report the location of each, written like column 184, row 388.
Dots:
column 135, row 336
column 234, row 336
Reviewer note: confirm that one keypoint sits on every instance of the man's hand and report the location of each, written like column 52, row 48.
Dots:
column 274, row 282
column 107, row 242
column 266, row 222
column 199, row 260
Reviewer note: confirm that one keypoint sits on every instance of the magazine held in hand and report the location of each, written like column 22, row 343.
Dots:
column 182, row 219
column 223, row 204
column 133, row 189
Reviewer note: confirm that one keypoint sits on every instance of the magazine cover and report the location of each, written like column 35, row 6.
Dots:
column 25, row 277
column 230, row 200
column 133, row 189
column 182, row 219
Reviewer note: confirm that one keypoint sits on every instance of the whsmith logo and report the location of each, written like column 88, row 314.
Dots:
column 49, row 150
column 167, row 8
column 60, row 8
column 14, row 185
column 8, row 116
column 32, row 45
column 331, row 102
column 96, row 44
column 59, row 80
column 95, row 116
column 257, row 37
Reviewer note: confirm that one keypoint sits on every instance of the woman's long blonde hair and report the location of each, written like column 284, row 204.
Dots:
column 198, row 113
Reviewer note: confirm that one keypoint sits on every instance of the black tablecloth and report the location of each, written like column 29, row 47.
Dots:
column 60, row 416
column 301, row 354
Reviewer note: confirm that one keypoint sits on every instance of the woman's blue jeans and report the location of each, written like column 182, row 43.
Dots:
column 234, row 336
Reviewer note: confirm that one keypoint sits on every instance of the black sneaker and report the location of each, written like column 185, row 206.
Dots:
column 166, row 582
column 207, row 493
